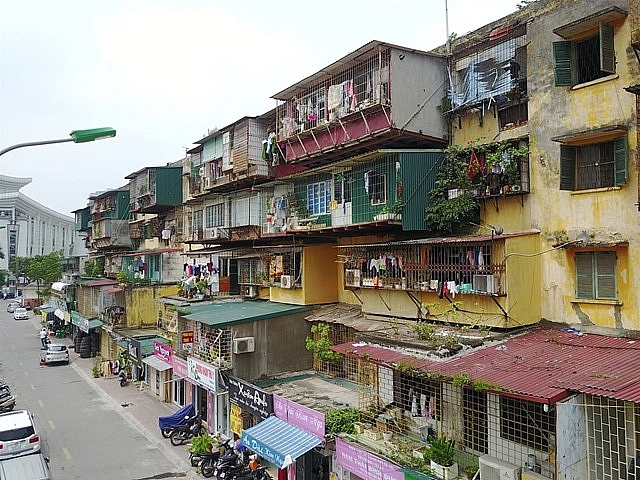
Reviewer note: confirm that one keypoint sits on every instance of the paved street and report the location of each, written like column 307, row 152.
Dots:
column 91, row 428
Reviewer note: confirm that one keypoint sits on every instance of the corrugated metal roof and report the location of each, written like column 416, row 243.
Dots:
column 349, row 316
column 545, row 364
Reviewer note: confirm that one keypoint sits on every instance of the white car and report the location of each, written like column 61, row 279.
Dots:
column 55, row 353
column 18, row 435
column 21, row 314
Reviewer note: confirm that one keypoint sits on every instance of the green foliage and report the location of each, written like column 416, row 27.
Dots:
column 94, row 268
column 43, row 269
column 122, row 277
column 341, row 420
column 424, row 330
column 201, row 444
column 442, row 451
column 320, row 344
column 461, row 380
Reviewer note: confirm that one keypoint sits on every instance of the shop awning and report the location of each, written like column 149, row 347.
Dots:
column 155, row 362
column 278, row 442
column 59, row 313
column 59, row 286
column 83, row 323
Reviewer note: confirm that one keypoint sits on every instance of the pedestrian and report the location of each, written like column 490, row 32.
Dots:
column 43, row 336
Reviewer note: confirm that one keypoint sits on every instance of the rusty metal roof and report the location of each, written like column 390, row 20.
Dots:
column 546, row 364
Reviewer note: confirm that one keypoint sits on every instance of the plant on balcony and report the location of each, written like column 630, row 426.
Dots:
column 320, row 344
column 342, row 420
column 442, row 451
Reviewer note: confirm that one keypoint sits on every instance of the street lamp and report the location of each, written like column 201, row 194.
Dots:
column 76, row 136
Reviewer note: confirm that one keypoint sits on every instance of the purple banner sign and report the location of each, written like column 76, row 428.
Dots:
column 162, row 351
column 179, row 367
column 365, row 464
column 305, row 418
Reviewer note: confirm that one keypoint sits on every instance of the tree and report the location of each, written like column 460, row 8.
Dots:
column 44, row 269
column 94, row 268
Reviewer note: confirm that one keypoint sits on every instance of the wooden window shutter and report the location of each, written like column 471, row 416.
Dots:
column 620, row 160
column 607, row 52
column 567, row 167
column 606, row 274
column 584, row 275
column 563, row 60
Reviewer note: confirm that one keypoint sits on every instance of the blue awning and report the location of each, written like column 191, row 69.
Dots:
column 278, row 442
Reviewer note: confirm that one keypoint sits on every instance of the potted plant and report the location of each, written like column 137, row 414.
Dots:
column 201, row 444
column 441, row 453
column 471, row 470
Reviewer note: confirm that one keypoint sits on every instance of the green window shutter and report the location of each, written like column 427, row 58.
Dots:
column 563, row 60
column 606, row 275
column 620, row 160
column 607, row 52
column 584, row 275
column 567, row 167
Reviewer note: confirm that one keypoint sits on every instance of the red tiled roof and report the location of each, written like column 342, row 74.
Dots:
column 545, row 364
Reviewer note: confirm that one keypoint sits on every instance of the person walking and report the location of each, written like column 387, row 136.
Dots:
column 43, row 336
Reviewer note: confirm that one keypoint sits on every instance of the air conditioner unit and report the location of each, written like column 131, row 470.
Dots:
column 251, row 291
column 484, row 284
column 286, row 281
column 492, row 468
column 243, row 345
column 211, row 232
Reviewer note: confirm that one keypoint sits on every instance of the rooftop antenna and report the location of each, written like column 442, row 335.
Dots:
column 446, row 21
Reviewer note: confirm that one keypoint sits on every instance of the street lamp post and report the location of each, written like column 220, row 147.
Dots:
column 76, row 136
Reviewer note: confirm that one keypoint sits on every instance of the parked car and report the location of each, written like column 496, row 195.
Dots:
column 27, row 467
column 55, row 353
column 21, row 314
column 11, row 306
column 18, row 434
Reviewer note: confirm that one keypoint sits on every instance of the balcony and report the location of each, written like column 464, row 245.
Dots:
column 350, row 105
column 155, row 189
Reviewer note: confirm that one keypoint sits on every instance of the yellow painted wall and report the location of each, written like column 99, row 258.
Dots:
column 606, row 216
column 319, row 278
column 140, row 306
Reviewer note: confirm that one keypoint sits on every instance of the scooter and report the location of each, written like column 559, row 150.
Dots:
column 7, row 400
column 180, row 417
column 208, row 461
column 124, row 381
column 183, row 433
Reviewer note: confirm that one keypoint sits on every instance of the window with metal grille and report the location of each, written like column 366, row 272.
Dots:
column 597, row 165
column 250, row 271
column 342, row 187
column 214, row 215
column 585, row 59
column 285, row 263
column 376, row 187
column 474, row 413
column 513, row 115
column 607, row 439
column 318, row 198
column 417, row 395
column 526, row 422
column 596, row 275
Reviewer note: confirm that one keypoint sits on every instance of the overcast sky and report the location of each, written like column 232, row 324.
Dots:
column 163, row 72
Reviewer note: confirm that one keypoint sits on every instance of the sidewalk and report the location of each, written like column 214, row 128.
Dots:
column 140, row 407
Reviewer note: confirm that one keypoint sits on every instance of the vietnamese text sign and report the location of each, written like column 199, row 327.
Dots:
column 250, row 397
column 365, row 464
column 305, row 418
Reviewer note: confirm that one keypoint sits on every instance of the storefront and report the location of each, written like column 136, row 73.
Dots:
column 181, row 395
column 158, row 371
column 248, row 404
column 287, row 439
column 208, row 394
column 86, row 334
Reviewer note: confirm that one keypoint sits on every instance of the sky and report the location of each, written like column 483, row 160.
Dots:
column 164, row 72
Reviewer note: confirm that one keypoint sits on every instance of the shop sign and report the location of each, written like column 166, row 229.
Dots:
column 235, row 419
column 305, row 418
column 187, row 340
column 365, row 464
column 162, row 351
column 179, row 367
column 202, row 373
column 249, row 397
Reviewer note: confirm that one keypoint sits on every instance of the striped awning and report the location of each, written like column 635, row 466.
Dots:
column 278, row 442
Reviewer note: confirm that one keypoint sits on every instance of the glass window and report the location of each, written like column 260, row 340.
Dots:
column 318, row 198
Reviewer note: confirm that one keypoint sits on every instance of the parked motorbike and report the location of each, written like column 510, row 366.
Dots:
column 208, row 461
column 180, row 417
column 7, row 400
column 230, row 464
column 259, row 473
column 183, row 433
column 124, row 381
